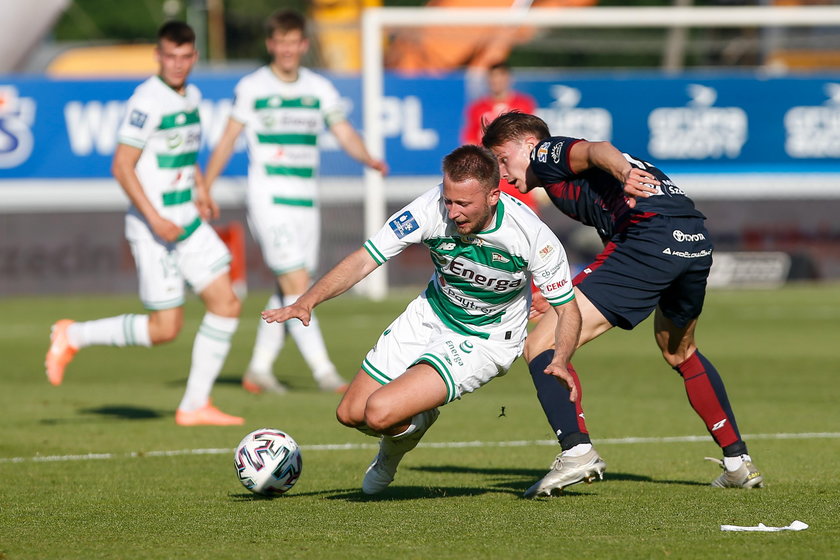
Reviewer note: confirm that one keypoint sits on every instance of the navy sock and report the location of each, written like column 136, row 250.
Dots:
column 565, row 417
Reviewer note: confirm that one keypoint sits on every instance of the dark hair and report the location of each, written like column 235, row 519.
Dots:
column 285, row 21
column 512, row 126
column 472, row 162
column 176, row 31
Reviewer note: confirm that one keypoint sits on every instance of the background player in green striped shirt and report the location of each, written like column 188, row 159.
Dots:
column 282, row 108
column 155, row 164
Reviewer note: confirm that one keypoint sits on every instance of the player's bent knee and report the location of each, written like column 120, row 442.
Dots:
column 228, row 307
column 233, row 308
column 344, row 414
column 165, row 334
column 535, row 348
column 164, row 328
column 379, row 416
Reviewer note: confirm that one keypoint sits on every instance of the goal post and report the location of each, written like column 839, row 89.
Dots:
column 376, row 20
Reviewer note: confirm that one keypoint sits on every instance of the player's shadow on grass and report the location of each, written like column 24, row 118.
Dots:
column 124, row 412
column 236, row 381
column 397, row 492
column 528, row 476
column 127, row 412
column 229, row 380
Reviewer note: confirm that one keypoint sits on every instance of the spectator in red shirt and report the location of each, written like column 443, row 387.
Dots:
column 500, row 98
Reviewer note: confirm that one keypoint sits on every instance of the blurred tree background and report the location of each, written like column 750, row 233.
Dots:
column 138, row 21
column 239, row 25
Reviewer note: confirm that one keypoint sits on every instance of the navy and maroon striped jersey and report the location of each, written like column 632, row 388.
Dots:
column 596, row 198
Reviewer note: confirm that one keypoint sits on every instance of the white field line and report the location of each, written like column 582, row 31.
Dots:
column 431, row 445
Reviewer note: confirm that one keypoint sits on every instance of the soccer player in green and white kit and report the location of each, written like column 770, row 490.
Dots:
column 155, row 163
column 283, row 107
column 470, row 323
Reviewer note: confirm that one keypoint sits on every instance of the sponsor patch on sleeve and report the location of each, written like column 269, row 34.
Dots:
column 542, row 152
column 137, row 118
column 403, row 224
column 546, row 252
column 555, row 152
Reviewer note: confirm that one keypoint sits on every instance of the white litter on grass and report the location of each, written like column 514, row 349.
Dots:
column 761, row 527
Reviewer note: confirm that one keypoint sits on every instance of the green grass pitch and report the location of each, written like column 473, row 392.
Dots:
column 97, row 468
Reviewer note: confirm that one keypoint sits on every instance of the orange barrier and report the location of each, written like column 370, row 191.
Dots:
column 233, row 235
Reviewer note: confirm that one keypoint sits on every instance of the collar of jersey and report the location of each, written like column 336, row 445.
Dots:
column 500, row 212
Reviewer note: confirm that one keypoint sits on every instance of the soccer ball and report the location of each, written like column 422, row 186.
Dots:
column 268, row 462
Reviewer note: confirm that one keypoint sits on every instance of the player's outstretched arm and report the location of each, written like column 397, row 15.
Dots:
column 207, row 207
column 222, row 152
column 352, row 143
column 341, row 278
column 123, row 169
column 566, row 336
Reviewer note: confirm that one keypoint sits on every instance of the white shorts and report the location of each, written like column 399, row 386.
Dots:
column 464, row 362
column 288, row 235
column 162, row 268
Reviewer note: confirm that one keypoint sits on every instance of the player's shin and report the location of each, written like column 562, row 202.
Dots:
column 269, row 342
column 565, row 417
column 210, row 349
column 707, row 395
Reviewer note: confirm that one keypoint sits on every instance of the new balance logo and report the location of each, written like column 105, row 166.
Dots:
column 718, row 425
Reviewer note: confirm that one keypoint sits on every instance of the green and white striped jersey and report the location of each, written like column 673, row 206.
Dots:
column 282, row 123
column 480, row 285
column 166, row 126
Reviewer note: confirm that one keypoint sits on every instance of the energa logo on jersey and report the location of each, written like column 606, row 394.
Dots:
column 17, row 115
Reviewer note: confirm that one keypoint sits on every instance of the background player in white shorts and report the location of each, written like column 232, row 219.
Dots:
column 283, row 107
column 470, row 323
column 155, row 163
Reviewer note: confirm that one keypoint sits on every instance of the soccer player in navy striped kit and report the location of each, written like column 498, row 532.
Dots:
column 656, row 258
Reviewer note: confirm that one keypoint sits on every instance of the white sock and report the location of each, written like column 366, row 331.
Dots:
column 211, row 346
column 578, row 450
column 419, row 421
column 122, row 330
column 734, row 463
column 310, row 342
column 269, row 343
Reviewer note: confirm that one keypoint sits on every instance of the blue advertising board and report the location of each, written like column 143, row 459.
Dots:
column 699, row 123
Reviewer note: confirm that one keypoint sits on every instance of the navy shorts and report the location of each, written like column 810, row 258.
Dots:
column 661, row 260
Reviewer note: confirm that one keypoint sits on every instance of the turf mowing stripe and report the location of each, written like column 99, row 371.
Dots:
column 431, row 445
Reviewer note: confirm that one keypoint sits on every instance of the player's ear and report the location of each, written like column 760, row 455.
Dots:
column 493, row 195
column 531, row 142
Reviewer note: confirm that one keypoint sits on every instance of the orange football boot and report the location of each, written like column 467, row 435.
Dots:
column 207, row 415
column 61, row 352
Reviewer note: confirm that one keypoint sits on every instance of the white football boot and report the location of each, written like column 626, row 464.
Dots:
column 566, row 471
column 745, row 476
column 381, row 471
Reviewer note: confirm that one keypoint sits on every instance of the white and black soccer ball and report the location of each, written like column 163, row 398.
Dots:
column 268, row 462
